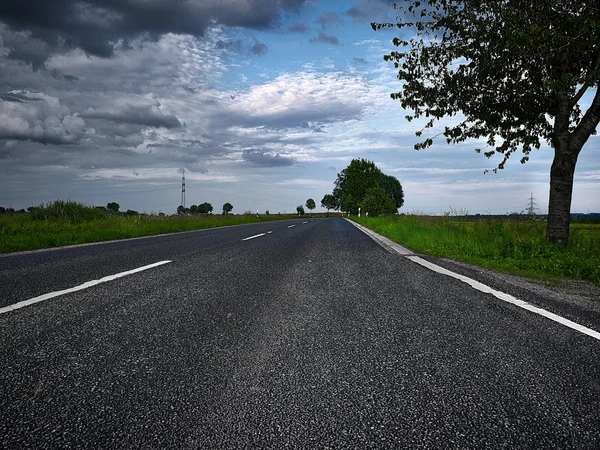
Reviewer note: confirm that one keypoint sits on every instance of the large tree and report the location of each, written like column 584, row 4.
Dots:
column 361, row 175
column 353, row 182
column 517, row 72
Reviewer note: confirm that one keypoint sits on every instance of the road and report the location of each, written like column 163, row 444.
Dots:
column 310, row 336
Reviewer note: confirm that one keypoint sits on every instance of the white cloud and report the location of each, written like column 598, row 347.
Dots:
column 38, row 117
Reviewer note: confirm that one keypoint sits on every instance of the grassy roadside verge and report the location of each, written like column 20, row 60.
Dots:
column 66, row 223
column 511, row 246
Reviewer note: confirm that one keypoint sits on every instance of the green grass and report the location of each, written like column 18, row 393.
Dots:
column 66, row 223
column 516, row 246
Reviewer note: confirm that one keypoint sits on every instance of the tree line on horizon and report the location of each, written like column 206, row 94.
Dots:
column 203, row 208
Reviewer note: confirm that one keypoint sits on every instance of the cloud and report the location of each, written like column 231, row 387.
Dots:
column 146, row 113
column 359, row 61
column 329, row 18
column 38, row 117
column 297, row 100
column 325, row 39
column 267, row 159
column 98, row 28
column 258, row 48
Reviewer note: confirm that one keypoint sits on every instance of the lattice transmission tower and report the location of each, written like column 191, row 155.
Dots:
column 183, row 187
column 532, row 206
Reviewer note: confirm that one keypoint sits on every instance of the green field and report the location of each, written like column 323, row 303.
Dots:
column 516, row 246
column 66, row 223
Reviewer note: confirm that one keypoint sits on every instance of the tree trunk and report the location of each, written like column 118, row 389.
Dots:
column 561, row 190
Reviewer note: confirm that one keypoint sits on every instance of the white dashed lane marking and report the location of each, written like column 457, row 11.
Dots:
column 86, row 285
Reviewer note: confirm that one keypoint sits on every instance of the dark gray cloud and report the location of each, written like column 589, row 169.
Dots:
column 325, row 39
column 258, row 48
column 329, row 18
column 96, row 26
column 266, row 158
column 142, row 114
column 300, row 27
column 63, row 76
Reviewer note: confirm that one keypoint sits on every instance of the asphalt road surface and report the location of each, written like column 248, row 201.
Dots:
column 305, row 336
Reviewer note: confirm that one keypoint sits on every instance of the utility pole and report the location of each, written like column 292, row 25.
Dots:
column 183, row 187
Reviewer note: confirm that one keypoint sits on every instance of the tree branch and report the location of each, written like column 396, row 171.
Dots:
column 592, row 77
column 589, row 122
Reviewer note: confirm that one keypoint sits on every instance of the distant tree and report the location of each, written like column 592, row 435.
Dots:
column 227, row 208
column 131, row 212
column 181, row 210
column 194, row 209
column 329, row 202
column 113, row 207
column 393, row 189
column 354, row 181
column 516, row 71
column 205, row 208
column 2, row 209
column 300, row 210
column 267, row 212
column 377, row 202
column 310, row 205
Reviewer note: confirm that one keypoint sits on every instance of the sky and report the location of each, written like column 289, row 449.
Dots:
column 262, row 102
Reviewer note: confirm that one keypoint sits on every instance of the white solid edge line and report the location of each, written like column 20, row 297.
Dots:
column 486, row 289
column 291, row 226
column 85, row 285
column 255, row 236
column 507, row 297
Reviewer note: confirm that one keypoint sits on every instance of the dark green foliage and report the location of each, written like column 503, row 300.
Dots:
column 205, row 208
column 377, row 202
column 515, row 70
column 393, row 189
column 113, row 207
column 310, row 204
column 227, row 208
column 329, row 202
column 300, row 210
column 353, row 183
